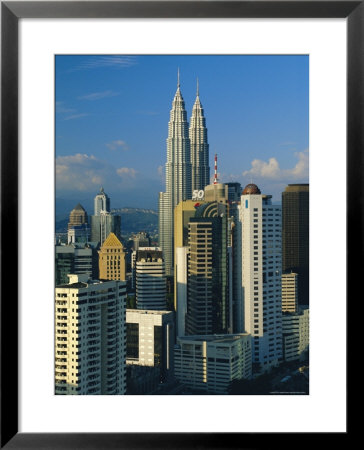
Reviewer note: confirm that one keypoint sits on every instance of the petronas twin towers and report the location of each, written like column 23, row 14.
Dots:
column 187, row 166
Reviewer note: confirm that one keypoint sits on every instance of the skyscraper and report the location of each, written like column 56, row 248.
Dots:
column 199, row 146
column 75, row 258
column 112, row 259
column 295, row 236
column 90, row 347
column 261, row 275
column 208, row 277
column 101, row 202
column 178, row 175
column 78, row 216
column 150, row 279
column 103, row 222
column 78, row 229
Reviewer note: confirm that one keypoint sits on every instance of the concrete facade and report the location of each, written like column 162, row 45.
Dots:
column 90, row 338
column 210, row 363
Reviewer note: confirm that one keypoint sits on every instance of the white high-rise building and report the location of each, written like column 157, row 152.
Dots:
column 261, row 275
column 296, row 331
column 181, row 293
column 199, row 146
column 209, row 363
column 151, row 286
column 101, row 202
column 178, row 176
column 90, row 337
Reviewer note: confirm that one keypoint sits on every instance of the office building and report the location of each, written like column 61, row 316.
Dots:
column 112, row 259
column 78, row 216
column 150, row 339
column 209, row 363
column 208, row 271
column 289, row 292
column 296, row 332
column 90, row 337
column 261, row 275
column 103, row 225
column 178, row 176
column 234, row 191
column 103, row 222
column 76, row 258
column 182, row 214
column 295, row 236
column 141, row 239
column 151, row 287
column 78, row 230
column 199, row 147
column 101, row 202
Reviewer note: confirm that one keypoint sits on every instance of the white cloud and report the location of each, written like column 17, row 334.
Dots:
column 98, row 95
column 114, row 145
column 85, row 173
column 95, row 62
column 271, row 170
column 61, row 109
column 81, row 172
column 76, row 116
column 126, row 171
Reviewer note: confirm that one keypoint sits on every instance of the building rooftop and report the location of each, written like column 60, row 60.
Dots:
column 251, row 189
column 214, row 337
column 148, row 311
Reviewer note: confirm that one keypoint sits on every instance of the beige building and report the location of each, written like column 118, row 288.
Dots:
column 78, row 216
column 90, row 341
column 289, row 292
column 182, row 214
column 112, row 259
column 218, row 192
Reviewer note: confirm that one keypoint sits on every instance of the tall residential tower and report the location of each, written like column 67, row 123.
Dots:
column 261, row 275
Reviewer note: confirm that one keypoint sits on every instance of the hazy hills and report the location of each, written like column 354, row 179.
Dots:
column 132, row 220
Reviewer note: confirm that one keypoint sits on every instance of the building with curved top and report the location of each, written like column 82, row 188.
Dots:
column 207, row 271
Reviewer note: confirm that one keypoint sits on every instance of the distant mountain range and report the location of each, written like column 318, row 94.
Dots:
column 132, row 220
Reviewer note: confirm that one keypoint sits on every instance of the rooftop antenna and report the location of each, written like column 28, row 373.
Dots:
column 215, row 175
column 178, row 77
column 197, row 93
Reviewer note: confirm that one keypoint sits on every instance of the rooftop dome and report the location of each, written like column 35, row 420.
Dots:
column 251, row 189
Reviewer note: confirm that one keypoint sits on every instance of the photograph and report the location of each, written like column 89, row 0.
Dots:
column 181, row 224
column 159, row 239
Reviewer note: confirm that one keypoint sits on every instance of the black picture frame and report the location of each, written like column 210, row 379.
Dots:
column 11, row 12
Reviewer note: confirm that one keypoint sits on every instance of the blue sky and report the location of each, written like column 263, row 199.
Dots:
column 112, row 114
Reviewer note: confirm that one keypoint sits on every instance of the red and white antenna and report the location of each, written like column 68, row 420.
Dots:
column 215, row 175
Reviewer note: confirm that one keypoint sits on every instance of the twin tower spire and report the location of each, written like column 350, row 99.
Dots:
column 187, row 167
column 187, row 148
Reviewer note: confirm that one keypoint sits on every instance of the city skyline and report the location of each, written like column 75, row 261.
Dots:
column 112, row 113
